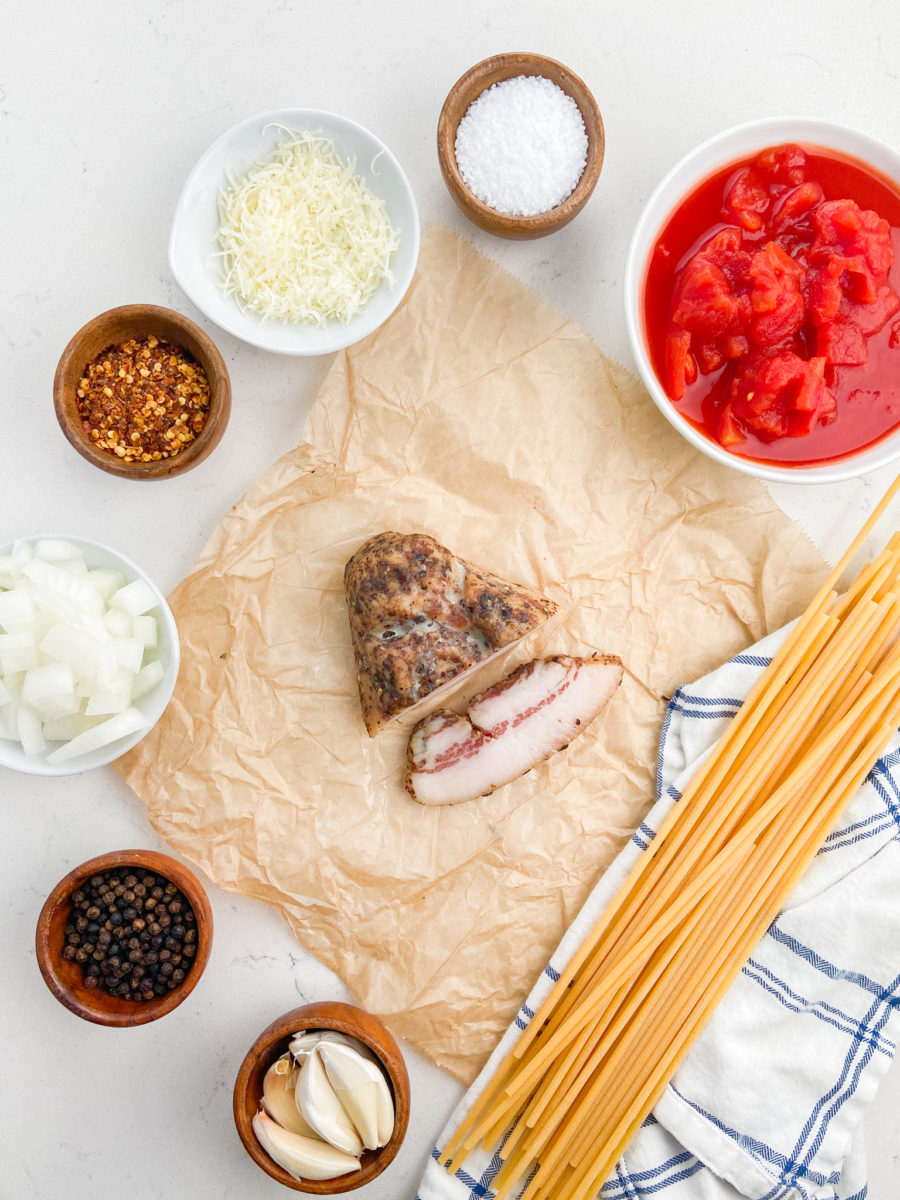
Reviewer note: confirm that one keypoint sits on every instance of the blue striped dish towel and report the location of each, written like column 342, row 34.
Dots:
column 768, row 1102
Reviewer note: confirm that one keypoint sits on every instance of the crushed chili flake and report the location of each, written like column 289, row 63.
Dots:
column 144, row 400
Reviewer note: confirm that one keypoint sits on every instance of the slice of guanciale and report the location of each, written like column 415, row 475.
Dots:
column 508, row 729
column 420, row 618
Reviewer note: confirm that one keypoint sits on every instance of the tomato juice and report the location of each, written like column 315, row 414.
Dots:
column 772, row 306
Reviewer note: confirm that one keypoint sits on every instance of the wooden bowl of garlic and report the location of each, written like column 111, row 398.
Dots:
column 321, row 1100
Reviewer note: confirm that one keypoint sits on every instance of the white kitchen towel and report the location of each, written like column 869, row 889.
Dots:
column 769, row 1100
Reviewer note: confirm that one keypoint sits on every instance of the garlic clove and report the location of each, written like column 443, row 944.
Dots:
column 306, row 1040
column 278, row 1097
column 302, row 1157
column 362, row 1089
column 320, row 1106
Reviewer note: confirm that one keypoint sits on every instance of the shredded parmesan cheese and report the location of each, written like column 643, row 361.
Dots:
column 303, row 238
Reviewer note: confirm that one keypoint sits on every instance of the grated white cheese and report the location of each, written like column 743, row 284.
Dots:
column 303, row 238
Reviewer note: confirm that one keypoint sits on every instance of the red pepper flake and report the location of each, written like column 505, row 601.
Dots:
column 143, row 400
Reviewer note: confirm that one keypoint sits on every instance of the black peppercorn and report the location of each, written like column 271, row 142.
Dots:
column 121, row 950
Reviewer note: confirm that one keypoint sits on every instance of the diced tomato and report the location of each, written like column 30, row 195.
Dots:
column 729, row 431
column 810, row 386
column 842, row 343
column 736, row 346
column 709, row 357
column 746, row 200
column 871, row 318
column 727, row 251
column 678, row 347
column 778, row 394
column 796, row 204
column 894, row 340
column 782, row 164
column 854, row 231
column 824, row 293
column 704, row 301
column 777, row 298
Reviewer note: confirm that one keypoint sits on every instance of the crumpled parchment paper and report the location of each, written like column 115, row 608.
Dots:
column 478, row 414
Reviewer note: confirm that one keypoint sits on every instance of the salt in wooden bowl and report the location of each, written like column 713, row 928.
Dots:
column 466, row 90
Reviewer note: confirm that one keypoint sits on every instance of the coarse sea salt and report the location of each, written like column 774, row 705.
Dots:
column 521, row 146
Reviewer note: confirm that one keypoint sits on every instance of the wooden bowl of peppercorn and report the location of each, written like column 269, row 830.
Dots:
column 467, row 89
column 123, row 939
column 142, row 392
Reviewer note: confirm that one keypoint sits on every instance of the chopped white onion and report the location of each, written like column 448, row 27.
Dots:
column 51, row 690
column 117, row 624
column 119, row 726
column 106, row 581
column 134, row 598
column 73, row 641
column 17, row 652
column 144, row 629
column 28, row 727
column 147, row 679
column 55, row 550
column 129, row 653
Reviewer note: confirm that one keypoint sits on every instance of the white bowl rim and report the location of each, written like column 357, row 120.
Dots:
column 235, row 327
column 37, row 764
column 858, row 462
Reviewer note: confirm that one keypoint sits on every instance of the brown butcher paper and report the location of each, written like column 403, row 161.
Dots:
column 482, row 416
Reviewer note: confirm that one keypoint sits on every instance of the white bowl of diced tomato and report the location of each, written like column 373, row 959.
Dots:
column 762, row 296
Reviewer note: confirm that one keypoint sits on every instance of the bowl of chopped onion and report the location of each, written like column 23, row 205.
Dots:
column 297, row 231
column 88, row 655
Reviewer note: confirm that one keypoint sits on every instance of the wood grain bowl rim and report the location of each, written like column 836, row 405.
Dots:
column 466, row 90
column 112, row 327
column 63, row 977
column 273, row 1042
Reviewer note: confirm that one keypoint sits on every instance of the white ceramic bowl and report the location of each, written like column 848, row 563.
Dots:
column 708, row 158
column 151, row 705
column 193, row 246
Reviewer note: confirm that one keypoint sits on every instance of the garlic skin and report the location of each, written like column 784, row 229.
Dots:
column 362, row 1089
column 302, row 1157
column 278, row 1097
column 320, row 1106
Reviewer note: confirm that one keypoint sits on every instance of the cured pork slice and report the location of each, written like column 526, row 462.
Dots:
column 420, row 618
column 508, row 729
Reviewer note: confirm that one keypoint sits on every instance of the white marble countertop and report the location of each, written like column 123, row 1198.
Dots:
column 104, row 107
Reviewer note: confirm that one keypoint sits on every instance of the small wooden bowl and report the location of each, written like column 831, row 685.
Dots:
column 65, row 979
column 113, row 327
column 466, row 90
column 274, row 1041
